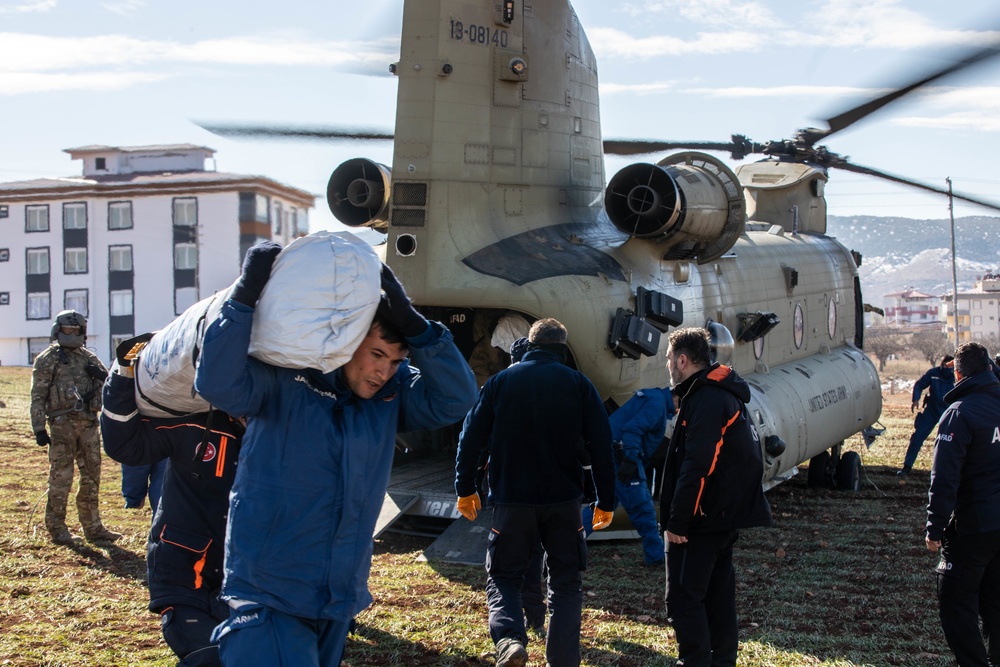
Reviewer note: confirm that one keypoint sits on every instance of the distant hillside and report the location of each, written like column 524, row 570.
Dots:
column 902, row 253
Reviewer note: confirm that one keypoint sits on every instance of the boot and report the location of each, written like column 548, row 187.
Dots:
column 63, row 536
column 102, row 534
column 511, row 653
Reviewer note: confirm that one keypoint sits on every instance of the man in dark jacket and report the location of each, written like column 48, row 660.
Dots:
column 963, row 510
column 185, row 550
column 711, row 489
column 533, row 417
column 314, row 467
column 938, row 381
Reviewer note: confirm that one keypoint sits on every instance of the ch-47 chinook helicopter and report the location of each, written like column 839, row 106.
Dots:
column 495, row 214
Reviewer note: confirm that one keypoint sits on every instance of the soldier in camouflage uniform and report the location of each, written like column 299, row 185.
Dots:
column 66, row 396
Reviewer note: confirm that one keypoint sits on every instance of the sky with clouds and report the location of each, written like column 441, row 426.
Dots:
column 133, row 72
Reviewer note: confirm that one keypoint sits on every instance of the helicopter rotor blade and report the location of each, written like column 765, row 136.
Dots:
column 293, row 132
column 858, row 169
column 851, row 116
column 646, row 146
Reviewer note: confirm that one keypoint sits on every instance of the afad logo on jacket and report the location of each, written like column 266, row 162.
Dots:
column 209, row 452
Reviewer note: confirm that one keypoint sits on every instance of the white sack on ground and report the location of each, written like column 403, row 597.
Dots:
column 314, row 312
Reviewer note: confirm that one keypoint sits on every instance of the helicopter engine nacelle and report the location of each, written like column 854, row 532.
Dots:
column 358, row 193
column 691, row 202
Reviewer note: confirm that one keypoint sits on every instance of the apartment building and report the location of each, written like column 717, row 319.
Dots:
column 141, row 235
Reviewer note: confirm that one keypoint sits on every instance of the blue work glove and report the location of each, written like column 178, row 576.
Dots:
column 626, row 471
column 42, row 438
column 256, row 270
column 400, row 311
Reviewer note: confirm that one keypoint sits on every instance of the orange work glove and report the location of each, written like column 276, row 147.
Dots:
column 469, row 506
column 602, row 519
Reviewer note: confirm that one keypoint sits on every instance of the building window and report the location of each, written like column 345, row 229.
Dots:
column 120, row 258
column 263, row 209
column 37, row 261
column 301, row 221
column 184, row 298
column 78, row 300
column 76, row 260
column 185, row 212
column 36, row 218
column 4, row 254
column 4, row 298
column 118, row 339
column 185, row 256
column 75, row 216
column 977, row 319
column 4, row 212
column 39, row 306
column 35, row 347
column 120, row 215
column 121, row 303
column 278, row 214
column 101, row 163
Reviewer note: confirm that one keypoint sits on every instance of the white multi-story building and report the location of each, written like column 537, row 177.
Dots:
column 143, row 234
column 978, row 312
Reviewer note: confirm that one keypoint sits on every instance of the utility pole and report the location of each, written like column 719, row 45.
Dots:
column 954, row 270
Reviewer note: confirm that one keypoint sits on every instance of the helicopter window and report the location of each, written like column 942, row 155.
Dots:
column 832, row 319
column 758, row 347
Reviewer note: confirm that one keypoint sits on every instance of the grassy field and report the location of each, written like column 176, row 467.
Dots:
column 842, row 579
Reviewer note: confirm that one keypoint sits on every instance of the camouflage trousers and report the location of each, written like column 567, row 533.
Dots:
column 74, row 440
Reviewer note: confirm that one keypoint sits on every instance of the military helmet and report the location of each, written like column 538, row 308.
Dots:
column 69, row 318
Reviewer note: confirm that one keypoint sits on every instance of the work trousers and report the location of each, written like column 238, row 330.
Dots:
column 923, row 424
column 74, row 440
column 259, row 635
column 968, row 588
column 140, row 481
column 635, row 499
column 533, row 590
column 188, row 632
column 701, row 599
column 517, row 530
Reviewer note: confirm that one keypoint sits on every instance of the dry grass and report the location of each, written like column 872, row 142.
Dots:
column 841, row 580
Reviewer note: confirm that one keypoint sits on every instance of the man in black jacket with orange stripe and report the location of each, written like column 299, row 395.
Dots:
column 185, row 550
column 711, row 489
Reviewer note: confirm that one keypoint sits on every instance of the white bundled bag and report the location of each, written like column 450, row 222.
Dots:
column 315, row 310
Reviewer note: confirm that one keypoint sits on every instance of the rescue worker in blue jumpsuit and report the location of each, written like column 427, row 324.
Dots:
column 963, row 511
column 938, row 381
column 637, row 428
column 185, row 549
column 314, row 467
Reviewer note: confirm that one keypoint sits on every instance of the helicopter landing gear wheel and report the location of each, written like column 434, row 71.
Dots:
column 849, row 472
column 817, row 477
